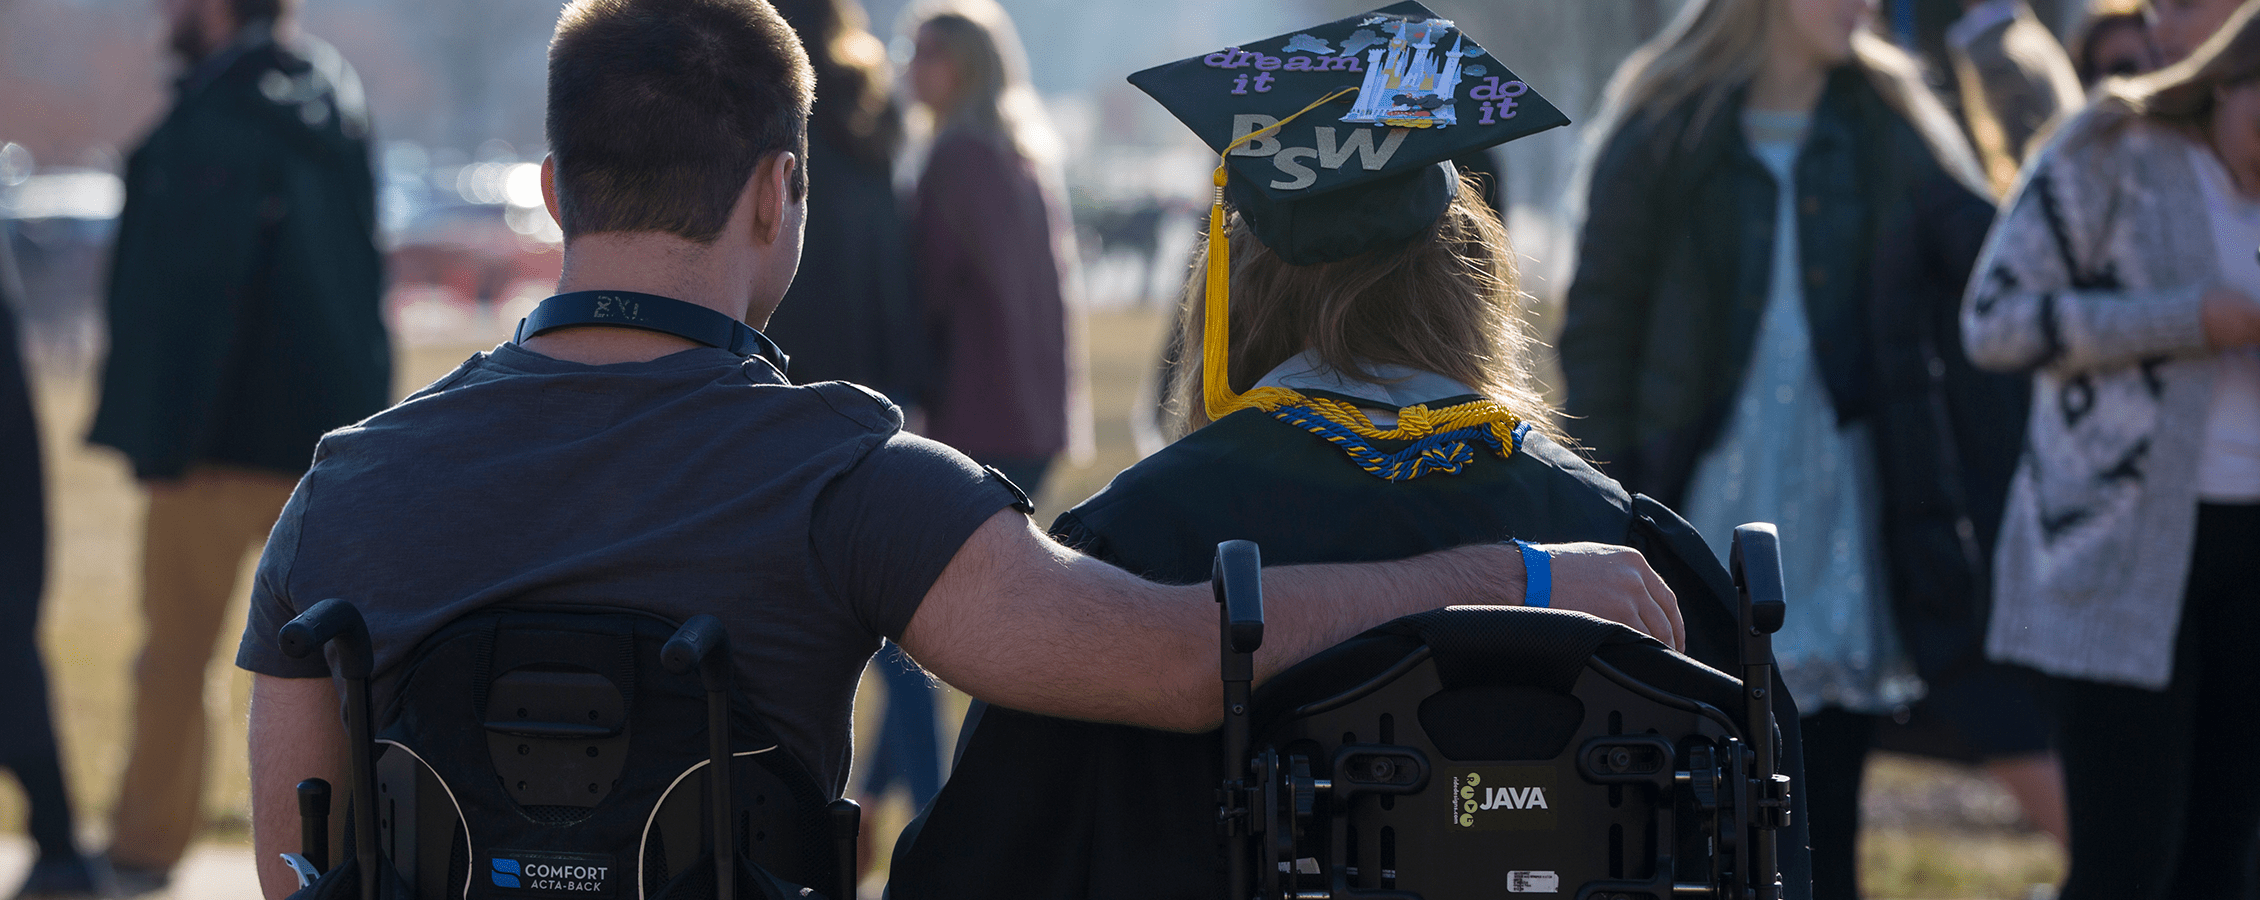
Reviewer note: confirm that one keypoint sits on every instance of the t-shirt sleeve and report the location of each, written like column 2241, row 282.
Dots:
column 272, row 606
column 883, row 531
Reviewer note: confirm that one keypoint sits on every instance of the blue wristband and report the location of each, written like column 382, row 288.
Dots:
column 1537, row 575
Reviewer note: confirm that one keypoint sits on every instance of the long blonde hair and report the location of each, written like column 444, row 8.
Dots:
column 1714, row 48
column 1447, row 303
column 997, row 99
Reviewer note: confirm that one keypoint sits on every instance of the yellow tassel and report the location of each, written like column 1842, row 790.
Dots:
column 1217, row 397
column 1216, row 334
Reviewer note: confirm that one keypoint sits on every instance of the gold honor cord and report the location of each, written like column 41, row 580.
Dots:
column 1335, row 421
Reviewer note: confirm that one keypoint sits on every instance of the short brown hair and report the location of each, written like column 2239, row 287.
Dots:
column 659, row 110
column 1445, row 303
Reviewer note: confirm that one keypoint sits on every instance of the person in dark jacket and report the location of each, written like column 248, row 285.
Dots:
column 851, row 314
column 1731, row 347
column 244, row 322
column 27, row 744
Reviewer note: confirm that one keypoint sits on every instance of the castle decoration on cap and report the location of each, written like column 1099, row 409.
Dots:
column 1408, row 84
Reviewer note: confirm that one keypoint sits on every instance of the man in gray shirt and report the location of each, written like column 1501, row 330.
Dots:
column 624, row 467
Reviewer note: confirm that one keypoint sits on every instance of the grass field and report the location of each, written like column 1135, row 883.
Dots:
column 1931, row 831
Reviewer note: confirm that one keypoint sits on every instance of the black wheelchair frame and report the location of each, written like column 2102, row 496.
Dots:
column 700, row 644
column 1708, row 796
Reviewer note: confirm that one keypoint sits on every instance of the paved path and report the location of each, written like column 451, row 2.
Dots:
column 211, row 871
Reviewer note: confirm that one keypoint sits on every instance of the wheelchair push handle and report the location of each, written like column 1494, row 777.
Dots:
column 1756, row 565
column 331, row 620
column 337, row 621
column 703, row 643
column 1237, row 579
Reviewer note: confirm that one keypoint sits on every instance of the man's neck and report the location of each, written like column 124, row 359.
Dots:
column 645, row 263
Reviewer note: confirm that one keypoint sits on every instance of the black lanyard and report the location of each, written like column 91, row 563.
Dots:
column 651, row 312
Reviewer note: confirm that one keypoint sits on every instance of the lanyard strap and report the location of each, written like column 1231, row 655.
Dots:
column 650, row 312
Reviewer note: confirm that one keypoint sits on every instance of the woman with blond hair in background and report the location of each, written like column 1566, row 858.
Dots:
column 993, row 245
column 2122, row 278
column 1780, row 220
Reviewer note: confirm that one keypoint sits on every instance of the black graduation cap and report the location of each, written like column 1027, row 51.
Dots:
column 1369, row 168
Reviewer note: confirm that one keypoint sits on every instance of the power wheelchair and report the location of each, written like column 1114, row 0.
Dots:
column 532, row 752
column 1474, row 751
column 1469, row 752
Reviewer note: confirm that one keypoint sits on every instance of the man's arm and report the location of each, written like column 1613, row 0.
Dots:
column 1020, row 621
column 295, row 735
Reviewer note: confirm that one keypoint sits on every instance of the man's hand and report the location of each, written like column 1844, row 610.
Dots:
column 1616, row 584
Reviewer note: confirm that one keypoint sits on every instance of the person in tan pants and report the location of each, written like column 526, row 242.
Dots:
column 244, row 321
column 195, row 537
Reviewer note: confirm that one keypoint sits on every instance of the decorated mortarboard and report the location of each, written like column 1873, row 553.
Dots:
column 1336, row 141
column 1398, row 91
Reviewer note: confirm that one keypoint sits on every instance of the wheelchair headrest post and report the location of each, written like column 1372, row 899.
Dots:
column 704, row 643
column 314, row 823
column 1237, row 579
column 846, row 819
column 337, row 621
column 1755, row 562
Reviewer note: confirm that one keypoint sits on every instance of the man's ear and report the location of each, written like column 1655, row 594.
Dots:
column 772, row 194
column 549, row 187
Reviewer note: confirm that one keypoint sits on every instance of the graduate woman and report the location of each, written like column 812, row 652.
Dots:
column 1354, row 388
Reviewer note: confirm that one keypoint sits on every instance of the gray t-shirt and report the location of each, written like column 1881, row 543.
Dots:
column 801, row 516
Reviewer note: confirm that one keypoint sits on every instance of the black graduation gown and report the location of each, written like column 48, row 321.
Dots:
column 1039, row 807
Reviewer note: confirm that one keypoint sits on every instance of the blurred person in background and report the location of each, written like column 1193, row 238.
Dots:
column 244, row 322
column 2012, row 82
column 1727, row 349
column 850, row 315
column 992, row 244
column 2122, row 279
column 2179, row 26
column 2111, row 40
column 2012, row 78
column 27, row 746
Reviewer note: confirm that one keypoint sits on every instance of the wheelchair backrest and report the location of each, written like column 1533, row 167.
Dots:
column 535, row 752
column 1475, row 751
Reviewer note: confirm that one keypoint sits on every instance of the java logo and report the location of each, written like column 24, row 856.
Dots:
column 1502, row 798
column 1513, row 798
